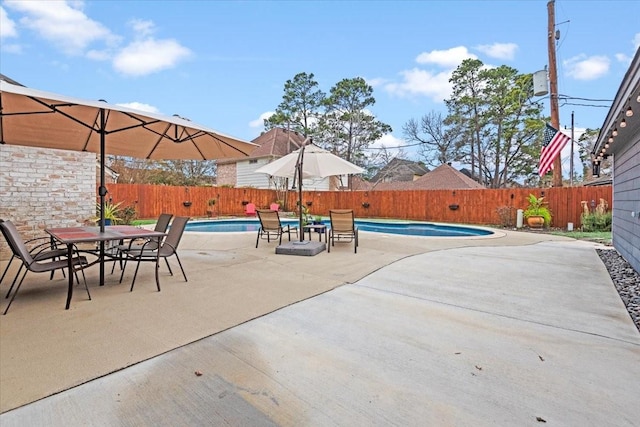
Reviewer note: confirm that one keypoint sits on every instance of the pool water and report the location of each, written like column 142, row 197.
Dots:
column 405, row 228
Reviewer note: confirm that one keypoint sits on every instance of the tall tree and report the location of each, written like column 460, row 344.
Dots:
column 494, row 111
column 348, row 127
column 466, row 107
column 300, row 107
column 439, row 143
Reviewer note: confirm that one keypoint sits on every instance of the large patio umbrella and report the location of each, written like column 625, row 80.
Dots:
column 310, row 161
column 35, row 118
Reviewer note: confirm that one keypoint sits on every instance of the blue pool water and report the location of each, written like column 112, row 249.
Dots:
column 406, row 228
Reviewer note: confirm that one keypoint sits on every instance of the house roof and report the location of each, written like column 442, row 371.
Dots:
column 445, row 177
column 400, row 170
column 277, row 142
column 274, row 143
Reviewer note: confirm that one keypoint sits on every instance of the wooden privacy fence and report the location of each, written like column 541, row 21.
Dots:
column 484, row 206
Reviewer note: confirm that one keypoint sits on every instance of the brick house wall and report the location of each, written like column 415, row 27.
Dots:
column 226, row 174
column 42, row 188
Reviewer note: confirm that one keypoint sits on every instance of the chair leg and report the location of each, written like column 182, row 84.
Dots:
column 6, row 269
column 180, row 264
column 14, row 280
column 168, row 266
column 15, row 293
column 258, row 238
column 158, row 272
column 134, row 275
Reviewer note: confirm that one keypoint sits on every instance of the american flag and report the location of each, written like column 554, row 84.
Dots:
column 554, row 142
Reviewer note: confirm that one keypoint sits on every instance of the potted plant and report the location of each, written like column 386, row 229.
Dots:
column 210, row 210
column 537, row 213
column 111, row 213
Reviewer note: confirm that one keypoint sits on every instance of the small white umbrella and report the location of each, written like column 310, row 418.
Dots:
column 317, row 163
column 310, row 161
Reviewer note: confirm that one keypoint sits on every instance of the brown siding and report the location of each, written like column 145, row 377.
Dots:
column 474, row 206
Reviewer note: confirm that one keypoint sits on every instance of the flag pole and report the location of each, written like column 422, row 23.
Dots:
column 553, row 87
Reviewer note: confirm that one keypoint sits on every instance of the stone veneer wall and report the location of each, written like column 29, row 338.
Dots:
column 41, row 188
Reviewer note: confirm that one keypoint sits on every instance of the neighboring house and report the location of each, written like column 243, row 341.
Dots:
column 400, row 170
column 110, row 176
column 620, row 137
column 273, row 144
column 444, row 177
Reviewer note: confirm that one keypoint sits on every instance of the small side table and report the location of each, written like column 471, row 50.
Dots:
column 319, row 228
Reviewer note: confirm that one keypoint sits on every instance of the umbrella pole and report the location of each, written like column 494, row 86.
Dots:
column 102, row 191
column 299, row 167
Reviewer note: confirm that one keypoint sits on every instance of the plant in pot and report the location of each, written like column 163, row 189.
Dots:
column 111, row 213
column 211, row 207
column 537, row 213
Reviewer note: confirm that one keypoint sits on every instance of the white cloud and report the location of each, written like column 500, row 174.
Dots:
column 582, row 67
column 259, row 122
column 62, row 23
column 449, row 58
column 142, row 27
column 7, row 26
column 636, row 41
column 140, row 106
column 505, row 51
column 388, row 141
column 422, row 82
column 624, row 58
column 149, row 56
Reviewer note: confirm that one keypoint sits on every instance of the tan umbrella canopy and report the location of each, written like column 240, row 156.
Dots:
column 41, row 119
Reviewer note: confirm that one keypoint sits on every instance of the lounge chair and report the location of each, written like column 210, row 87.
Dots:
column 168, row 248
column 343, row 228
column 271, row 227
column 250, row 209
column 45, row 263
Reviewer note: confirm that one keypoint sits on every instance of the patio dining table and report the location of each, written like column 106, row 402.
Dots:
column 71, row 236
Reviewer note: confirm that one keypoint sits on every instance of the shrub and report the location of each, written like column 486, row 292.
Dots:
column 596, row 221
column 507, row 215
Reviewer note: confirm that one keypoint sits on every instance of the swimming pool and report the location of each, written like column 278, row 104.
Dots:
column 405, row 228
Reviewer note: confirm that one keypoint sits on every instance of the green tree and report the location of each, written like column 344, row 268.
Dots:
column 300, row 107
column 495, row 114
column 348, row 127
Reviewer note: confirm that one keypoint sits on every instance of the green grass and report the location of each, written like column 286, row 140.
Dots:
column 595, row 236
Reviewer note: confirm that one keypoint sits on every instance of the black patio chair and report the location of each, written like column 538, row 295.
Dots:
column 20, row 250
column 161, row 225
column 151, row 253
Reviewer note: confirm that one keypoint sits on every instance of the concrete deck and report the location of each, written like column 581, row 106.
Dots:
column 510, row 330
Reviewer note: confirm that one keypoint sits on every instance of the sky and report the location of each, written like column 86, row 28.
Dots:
column 223, row 64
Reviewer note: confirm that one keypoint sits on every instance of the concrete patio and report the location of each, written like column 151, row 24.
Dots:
column 514, row 329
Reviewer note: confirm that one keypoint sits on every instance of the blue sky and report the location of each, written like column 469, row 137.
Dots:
column 223, row 64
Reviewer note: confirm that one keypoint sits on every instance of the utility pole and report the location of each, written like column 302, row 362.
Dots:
column 553, row 88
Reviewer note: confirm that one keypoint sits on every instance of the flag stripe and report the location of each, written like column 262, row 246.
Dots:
column 554, row 142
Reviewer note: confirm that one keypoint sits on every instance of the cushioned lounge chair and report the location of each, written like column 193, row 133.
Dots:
column 343, row 228
column 44, row 264
column 271, row 227
column 168, row 248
